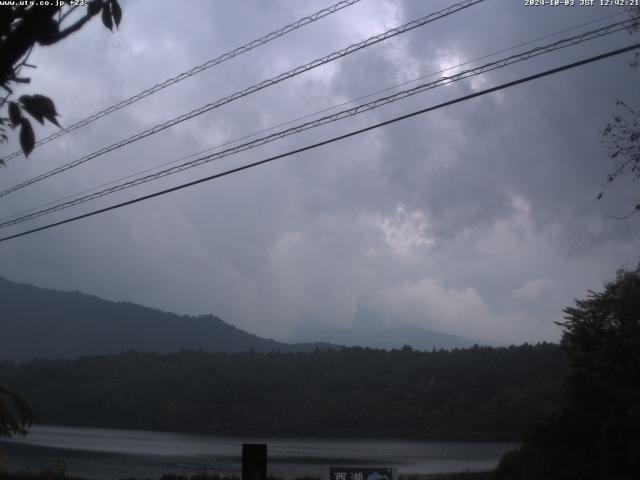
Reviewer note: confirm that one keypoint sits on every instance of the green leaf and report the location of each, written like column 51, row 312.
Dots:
column 40, row 107
column 116, row 11
column 106, row 16
column 14, row 114
column 93, row 8
column 32, row 108
column 27, row 137
column 47, row 107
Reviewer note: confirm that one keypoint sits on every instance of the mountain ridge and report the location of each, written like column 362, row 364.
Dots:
column 47, row 323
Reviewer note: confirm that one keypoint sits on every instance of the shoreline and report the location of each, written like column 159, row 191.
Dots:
column 100, row 455
column 50, row 475
column 464, row 437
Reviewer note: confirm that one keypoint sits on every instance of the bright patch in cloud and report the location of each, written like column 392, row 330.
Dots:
column 405, row 230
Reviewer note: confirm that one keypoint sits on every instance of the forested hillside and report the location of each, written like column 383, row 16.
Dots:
column 480, row 392
column 43, row 323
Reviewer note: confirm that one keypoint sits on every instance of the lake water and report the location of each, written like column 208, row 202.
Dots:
column 101, row 453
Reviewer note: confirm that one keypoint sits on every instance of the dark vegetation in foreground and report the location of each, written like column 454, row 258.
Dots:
column 53, row 476
column 475, row 393
column 594, row 433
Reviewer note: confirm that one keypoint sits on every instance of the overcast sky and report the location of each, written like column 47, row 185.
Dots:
column 479, row 219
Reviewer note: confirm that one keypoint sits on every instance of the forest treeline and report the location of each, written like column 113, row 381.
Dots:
column 475, row 393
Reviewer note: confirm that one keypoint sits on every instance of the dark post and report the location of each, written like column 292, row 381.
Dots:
column 254, row 461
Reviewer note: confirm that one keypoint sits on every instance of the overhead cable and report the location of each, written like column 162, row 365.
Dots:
column 194, row 71
column 252, row 89
column 350, row 112
column 309, row 115
column 331, row 140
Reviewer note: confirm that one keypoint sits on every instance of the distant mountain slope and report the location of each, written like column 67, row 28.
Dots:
column 418, row 338
column 372, row 330
column 43, row 323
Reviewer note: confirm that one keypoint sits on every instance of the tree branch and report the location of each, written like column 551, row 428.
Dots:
column 19, row 41
column 625, row 217
column 75, row 27
column 66, row 14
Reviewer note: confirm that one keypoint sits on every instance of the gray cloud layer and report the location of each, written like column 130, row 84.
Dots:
column 479, row 219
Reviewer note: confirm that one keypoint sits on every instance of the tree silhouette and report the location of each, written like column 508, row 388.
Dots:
column 621, row 136
column 21, row 28
column 595, row 433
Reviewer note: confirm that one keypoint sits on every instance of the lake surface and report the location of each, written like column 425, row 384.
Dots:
column 102, row 453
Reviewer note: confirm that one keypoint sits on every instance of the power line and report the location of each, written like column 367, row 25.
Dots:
column 195, row 70
column 289, row 122
column 332, row 140
column 567, row 42
column 254, row 88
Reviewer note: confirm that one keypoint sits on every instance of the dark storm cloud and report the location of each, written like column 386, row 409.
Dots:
column 478, row 219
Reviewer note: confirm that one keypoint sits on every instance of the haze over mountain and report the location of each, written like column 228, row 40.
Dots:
column 370, row 329
column 45, row 323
